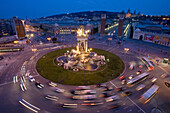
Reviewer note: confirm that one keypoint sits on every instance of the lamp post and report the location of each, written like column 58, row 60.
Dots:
column 126, row 49
column 49, row 39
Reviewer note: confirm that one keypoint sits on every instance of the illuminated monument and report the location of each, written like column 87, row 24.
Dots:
column 82, row 38
column 82, row 58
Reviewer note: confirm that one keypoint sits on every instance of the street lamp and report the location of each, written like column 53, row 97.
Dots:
column 48, row 38
column 15, row 42
column 126, row 49
column 34, row 50
column 31, row 35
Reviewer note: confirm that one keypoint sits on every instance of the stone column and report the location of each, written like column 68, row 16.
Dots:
column 78, row 46
column 86, row 46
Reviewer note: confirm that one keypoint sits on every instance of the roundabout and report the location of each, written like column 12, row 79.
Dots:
column 49, row 68
column 80, row 65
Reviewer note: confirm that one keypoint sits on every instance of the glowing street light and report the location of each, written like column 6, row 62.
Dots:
column 34, row 50
column 126, row 49
column 15, row 42
column 31, row 35
column 48, row 38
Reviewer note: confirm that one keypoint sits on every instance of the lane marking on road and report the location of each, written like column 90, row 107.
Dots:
column 163, row 69
column 130, row 100
column 31, row 105
column 136, row 105
column 28, row 107
column 113, row 84
column 6, row 83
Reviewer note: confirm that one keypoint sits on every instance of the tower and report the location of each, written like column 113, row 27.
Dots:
column 82, row 38
column 121, row 18
column 102, row 25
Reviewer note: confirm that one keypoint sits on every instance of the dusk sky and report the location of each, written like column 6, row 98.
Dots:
column 40, row 8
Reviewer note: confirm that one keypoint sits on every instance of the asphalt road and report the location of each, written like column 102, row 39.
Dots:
column 11, row 92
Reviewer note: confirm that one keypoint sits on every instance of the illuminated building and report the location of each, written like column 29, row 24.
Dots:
column 147, row 31
column 19, row 27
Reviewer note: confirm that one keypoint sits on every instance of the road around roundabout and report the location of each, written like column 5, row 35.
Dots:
column 11, row 93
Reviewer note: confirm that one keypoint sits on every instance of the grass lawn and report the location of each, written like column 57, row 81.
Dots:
column 47, row 67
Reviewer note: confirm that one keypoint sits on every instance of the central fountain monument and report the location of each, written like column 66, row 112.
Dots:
column 82, row 58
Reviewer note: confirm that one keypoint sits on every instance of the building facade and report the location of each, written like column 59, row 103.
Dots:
column 19, row 27
column 152, row 33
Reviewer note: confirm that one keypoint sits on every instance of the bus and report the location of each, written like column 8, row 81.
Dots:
column 149, row 94
column 148, row 63
column 137, row 78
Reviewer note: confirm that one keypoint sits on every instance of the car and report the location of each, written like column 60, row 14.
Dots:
column 27, row 73
column 167, row 84
column 84, row 97
column 99, row 85
column 140, row 66
column 52, row 84
column 39, row 85
column 114, row 106
column 91, row 103
column 65, row 105
column 140, row 87
column 31, row 78
column 58, row 90
column 104, row 95
column 122, row 77
column 119, row 89
column 127, row 93
column 82, row 92
column 50, row 97
column 112, row 98
column 123, row 82
column 138, row 72
column 131, row 67
column 108, row 88
column 153, row 79
column 131, row 76
column 83, row 87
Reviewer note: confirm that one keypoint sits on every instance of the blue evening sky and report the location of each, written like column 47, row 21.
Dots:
column 40, row 8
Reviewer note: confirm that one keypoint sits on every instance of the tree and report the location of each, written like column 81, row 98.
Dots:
column 54, row 40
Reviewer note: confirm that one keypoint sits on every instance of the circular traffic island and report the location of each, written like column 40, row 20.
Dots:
column 48, row 67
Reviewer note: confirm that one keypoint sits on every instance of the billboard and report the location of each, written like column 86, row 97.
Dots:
column 149, row 37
